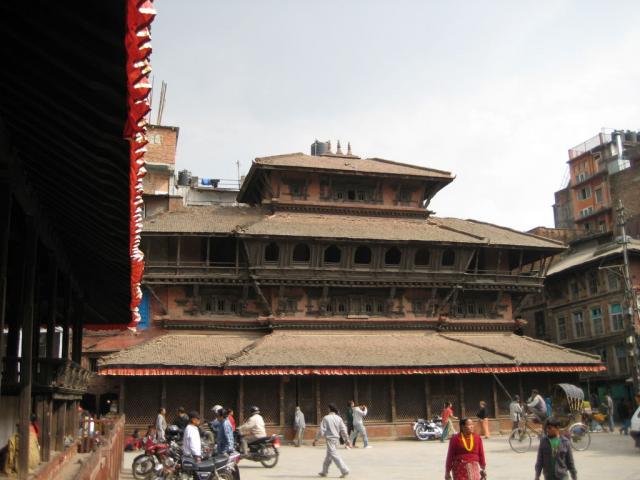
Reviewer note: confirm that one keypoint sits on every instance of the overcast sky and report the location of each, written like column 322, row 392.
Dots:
column 495, row 92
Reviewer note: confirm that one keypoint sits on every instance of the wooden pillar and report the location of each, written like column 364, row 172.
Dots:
column 202, row 407
column 463, row 410
column 178, row 248
column 237, row 257
column 355, row 389
column 61, row 422
column 53, row 299
column 121, row 396
column 241, row 398
column 66, row 318
column 520, row 389
column 5, row 228
column 47, row 427
column 26, row 365
column 427, row 395
column 316, row 381
column 78, row 317
column 496, row 407
column 282, row 421
column 163, row 392
column 392, row 394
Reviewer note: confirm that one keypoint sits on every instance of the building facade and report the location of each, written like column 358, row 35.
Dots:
column 331, row 280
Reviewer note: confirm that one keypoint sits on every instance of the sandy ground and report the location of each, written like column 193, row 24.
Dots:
column 610, row 457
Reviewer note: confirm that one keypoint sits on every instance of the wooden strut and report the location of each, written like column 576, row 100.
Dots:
column 155, row 295
column 254, row 279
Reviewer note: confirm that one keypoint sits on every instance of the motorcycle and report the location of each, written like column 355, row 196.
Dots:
column 265, row 450
column 154, row 454
column 219, row 467
column 428, row 429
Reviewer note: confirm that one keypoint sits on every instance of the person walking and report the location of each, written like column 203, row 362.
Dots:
column 298, row 426
column 332, row 428
column 161, row 425
column 191, row 445
column 465, row 456
column 515, row 411
column 447, row 424
column 555, row 458
column 624, row 414
column 358, row 425
column 483, row 420
column 610, row 412
column 350, row 406
column 224, row 435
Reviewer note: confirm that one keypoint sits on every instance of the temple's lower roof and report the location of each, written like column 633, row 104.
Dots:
column 347, row 352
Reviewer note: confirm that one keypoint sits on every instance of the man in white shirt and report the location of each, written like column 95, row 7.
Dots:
column 253, row 428
column 191, row 445
column 359, row 413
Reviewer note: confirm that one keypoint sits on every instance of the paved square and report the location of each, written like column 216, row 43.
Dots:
column 610, row 457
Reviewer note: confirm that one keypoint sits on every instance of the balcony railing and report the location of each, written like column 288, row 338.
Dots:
column 49, row 374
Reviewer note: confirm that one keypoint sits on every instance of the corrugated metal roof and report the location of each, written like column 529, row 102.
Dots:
column 587, row 254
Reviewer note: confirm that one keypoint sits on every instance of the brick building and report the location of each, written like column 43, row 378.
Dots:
column 331, row 280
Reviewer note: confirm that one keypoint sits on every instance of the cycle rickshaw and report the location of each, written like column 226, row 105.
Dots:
column 567, row 405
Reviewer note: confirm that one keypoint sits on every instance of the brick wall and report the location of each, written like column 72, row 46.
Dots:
column 162, row 144
column 625, row 186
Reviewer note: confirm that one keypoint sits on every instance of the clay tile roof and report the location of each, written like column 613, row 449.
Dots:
column 255, row 221
column 401, row 349
column 589, row 253
column 351, row 164
column 202, row 219
column 179, row 349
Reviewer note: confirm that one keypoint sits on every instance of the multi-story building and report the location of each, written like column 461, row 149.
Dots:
column 329, row 281
column 602, row 171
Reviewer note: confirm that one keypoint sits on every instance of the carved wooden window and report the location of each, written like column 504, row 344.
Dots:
column 301, row 253
column 448, row 258
column 422, row 258
column 332, row 254
column 362, row 255
column 419, row 307
column 271, row 253
column 219, row 305
column 392, row 256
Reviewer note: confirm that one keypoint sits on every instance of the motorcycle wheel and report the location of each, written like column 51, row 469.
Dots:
column 142, row 466
column 422, row 433
column 271, row 455
column 226, row 475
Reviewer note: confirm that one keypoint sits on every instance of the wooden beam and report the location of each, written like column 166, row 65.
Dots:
column 5, row 228
column 78, row 317
column 392, row 393
column 121, row 396
column 202, row 406
column 316, row 381
column 47, row 426
column 463, row 409
column 53, row 311
column 26, row 363
column 281, row 404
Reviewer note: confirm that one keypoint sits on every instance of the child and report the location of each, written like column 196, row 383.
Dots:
column 133, row 442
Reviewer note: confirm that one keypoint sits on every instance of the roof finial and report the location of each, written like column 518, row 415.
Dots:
column 338, row 149
column 329, row 146
column 349, row 149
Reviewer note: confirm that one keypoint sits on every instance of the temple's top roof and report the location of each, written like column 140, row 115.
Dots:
column 331, row 351
column 254, row 221
column 350, row 164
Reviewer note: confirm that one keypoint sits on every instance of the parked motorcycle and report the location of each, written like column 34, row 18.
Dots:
column 144, row 464
column 265, row 450
column 428, row 429
column 219, row 467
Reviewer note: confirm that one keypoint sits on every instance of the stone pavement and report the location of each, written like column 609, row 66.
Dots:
column 610, row 457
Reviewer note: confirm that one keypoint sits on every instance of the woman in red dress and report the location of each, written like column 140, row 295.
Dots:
column 465, row 458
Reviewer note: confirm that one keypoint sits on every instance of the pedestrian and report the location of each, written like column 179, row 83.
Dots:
column 465, row 457
column 149, row 437
column 182, row 419
column 224, row 436
column 332, row 428
column 555, row 458
column 191, row 445
column 635, row 423
column 538, row 406
column 624, row 414
column 161, row 425
column 610, row 412
column 232, row 419
column 483, row 420
column 515, row 411
column 359, row 413
column 350, row 406
column 133, row 442
column 447, row 424
column 298, row 426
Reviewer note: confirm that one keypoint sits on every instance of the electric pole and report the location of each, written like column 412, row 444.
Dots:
column 630, row 307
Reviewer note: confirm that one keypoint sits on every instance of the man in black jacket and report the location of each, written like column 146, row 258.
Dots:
column 555, row 458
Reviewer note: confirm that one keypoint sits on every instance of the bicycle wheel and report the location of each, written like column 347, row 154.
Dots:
column 579, row 436
column 520, row 440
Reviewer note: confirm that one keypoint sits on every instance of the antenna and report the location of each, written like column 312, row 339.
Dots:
column 238, row 167
column 161, row 102
column 153, row 81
